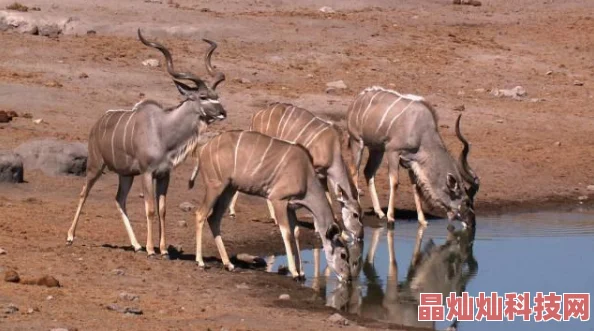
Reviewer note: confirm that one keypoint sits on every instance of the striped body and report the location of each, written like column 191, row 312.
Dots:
column 287, row 122
column 383, row 119
column 257, row 164
column 129, row 148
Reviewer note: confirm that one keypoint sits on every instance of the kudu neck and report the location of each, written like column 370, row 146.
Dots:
column 180, row 124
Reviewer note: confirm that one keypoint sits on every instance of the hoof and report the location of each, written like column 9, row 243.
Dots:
column 232, row 216
column 137, row 249
column 203, row 267
column 165, row 257
column 69, row 242
column 230, row 267
column 390, row 225
column 300, row 278
column 152, row 256
column 381, row 216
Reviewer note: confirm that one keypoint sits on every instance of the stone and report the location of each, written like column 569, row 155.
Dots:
column 242, row 80
column 557, row 143
column 339, row 84
column 49, row 298
column 284, row 297
column 115, row 307
column 54, row 157
column 548, row 73
column 578, row 83
column 10, row 309
column 133, row 311
column 2, row 251
column 336, row 318
column 516, row 92
column 186, row 206
column 49, row 30
column 83, row 75
column 129, row 296
column 499, row 121
column 182, row 224
column 327, row 10
column 38, row 121
column 5, row 117
column 59, row 329
column 151, row 63
column 583, row 198
column 11, row 168
column 590, row 187
column 118, row 272
column 11, row 276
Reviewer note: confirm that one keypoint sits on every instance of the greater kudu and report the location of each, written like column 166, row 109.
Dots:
column 323, row 142
column 283, row 173
column 405, row 126
column 151, row 140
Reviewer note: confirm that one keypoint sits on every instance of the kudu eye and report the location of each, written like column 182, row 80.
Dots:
column 355, row 215
column 343, row 256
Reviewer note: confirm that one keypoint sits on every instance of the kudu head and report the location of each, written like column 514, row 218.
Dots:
column 343, row 254
column 203, row 99
column 351, row 213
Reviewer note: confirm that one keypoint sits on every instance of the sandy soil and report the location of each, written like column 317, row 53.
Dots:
column 530, row 153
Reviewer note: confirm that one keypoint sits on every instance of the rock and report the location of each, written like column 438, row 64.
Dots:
column 10, row 309
column 557, row 143
column 133, row 311
column 27, row 115
column 578, row 83
column 38, row 121
column 11, row 276
column 32, row 310
column 499, row 121
column 284, row 297
column 186, row 206
column 339, row 84
column 590, row 187
column 151, row 63
column 336, row 318
column 516, row 92
column 535, row 100
column 480, row 90
column 54, row 157
column 251, row 260
column 48, row 281
column 283, row 270
column 118, row 272
column 129, row 296
column 83, row 75
column 583, row 198
column 49, row 30
column 548, row 73
column 242, row 80
column 242, row 286
column 327, row 9
column 115, row 307
column 5, row 117
column 11, row 168
column 49, row 298
column 2, row 251
column 459, row 108
column 182, row 224
column 59, row 329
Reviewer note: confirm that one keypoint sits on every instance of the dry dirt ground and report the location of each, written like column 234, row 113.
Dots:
column 531, row 153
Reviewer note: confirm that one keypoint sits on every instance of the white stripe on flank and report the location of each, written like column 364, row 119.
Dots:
column 315, row 136
column 132, row 138
column 279, row 164
column 255, row 145
column 281, row 121
column 363, row 116
column 304, row 128
column 394, row 119
column 255, row 116
column 269, row 117
column 287, row 121
column 262, row 159
column 386, row 114
column 237, row 148
column 126, row 133
column 105, row 122
column 292, row 126
column 112, row 139
column 218, row 160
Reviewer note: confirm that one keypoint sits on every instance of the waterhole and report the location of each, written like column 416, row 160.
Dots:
column 530, row 252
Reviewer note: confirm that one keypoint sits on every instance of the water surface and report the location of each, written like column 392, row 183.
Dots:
column 536, row 252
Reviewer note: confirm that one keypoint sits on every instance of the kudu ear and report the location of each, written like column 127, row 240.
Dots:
column 452, row 183
column 184, row 89
column 340, row 195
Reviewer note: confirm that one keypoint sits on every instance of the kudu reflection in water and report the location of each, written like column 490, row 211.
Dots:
column 433, row 269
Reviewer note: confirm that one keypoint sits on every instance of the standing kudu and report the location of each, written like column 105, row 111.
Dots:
column 405, row 127
column 150, row 141
column 323, row 142
column 283, row 173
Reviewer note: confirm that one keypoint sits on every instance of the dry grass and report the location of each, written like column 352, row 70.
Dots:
column 18, row 7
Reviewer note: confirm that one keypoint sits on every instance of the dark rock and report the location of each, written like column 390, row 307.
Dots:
column 186, row 206
column 5, row 117
column 54, row 157
column 10, row 309
column 11, row 276
column 129, row 296
column 11, row 168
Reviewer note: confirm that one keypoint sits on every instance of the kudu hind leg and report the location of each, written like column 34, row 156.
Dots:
column 161, row 188
column 124, row 186
column 90, row 180
column 296, row 231
column 374, row 161
column 214, row 222
column 210, row 198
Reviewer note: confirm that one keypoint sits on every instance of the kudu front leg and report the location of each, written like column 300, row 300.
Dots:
column 393, row 166
column 148, row 189
column 162, row 186
column 214, row 222
column 281, row 211
column 418, row 204
column 210, row 198
column 373, row 163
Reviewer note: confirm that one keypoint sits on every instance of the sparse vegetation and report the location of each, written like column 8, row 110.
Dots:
column 18, row 7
